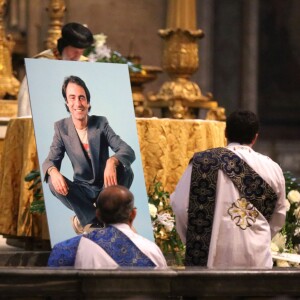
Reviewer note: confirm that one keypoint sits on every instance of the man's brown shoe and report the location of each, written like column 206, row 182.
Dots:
column 76, row 225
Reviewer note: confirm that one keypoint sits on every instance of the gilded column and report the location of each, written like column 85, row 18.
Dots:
column 181, row 96
column 9, row 85
column 181, row 14
column 56, row 11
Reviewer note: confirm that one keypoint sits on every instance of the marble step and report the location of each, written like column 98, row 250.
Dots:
column 24, row 258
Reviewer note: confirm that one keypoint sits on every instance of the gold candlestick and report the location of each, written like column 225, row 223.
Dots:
column 137, row 80
column 181, row 14
column 9, row 85
column 56, row 11
column 180, row 96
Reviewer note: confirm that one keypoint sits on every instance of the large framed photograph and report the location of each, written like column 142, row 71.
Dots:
column 110, row 101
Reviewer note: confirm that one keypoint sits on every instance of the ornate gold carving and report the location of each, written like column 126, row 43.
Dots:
column 137, row 80
column 167, row 145
column 180, row 54
column 56, row 11
column 216, row 113
column 8, row 108
column 243, row 213
column 9, row 85
column 181, row 98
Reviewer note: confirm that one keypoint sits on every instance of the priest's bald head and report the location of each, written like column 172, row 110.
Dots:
column 115, row 204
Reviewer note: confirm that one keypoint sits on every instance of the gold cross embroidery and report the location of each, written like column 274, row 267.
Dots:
column 243, row 213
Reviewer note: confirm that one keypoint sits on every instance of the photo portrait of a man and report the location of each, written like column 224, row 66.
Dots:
column 86, row 140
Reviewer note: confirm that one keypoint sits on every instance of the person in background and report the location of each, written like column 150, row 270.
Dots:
column 75, row 38
column 114, row 245
column 230, row 201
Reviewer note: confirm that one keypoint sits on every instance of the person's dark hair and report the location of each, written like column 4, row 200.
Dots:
column 115, row 204
column 78, row 81
column 75, row 35
column 241, row 127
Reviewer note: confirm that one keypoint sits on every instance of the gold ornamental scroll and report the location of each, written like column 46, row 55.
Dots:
column 9, row 85
column 18, row 159
column 8, row 109
column 56, row 12
column 167, row 145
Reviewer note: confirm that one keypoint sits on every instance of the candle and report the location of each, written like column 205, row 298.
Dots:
column 181, row 14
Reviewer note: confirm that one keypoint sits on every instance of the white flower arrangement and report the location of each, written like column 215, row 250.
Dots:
column 293, row 196
column 166, row 220
column 163, row 223
column 286, row 242
column 278, row 243
column 100, row 52
column 152, row 210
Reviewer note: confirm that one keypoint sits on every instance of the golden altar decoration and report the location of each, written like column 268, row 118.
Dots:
column 166, row 146
column 8, row 110
column 181, row 98
column 137, row 80
column 9, row 85
column 19, row 157
column 56, row 11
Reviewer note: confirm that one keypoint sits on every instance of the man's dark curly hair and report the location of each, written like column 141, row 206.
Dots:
column 241, row 127
column 78, row 81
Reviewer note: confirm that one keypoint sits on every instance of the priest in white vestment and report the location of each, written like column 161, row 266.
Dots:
column 247, row 208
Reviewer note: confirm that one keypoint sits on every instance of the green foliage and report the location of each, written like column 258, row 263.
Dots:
column 163, row 223
column 117, row 58
column 114, row 57
column 38, row 203
column 292, row 220
column 291, row 182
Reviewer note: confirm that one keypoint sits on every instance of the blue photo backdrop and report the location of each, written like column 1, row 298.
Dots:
column 111, row 96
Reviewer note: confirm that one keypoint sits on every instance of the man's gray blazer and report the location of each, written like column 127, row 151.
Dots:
column 100, row 137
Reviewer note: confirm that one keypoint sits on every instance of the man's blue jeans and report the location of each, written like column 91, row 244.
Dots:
column 81, row 197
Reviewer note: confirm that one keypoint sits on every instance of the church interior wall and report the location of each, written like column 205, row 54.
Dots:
column 221, row 52
column 227, row 53
column 130, row 26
